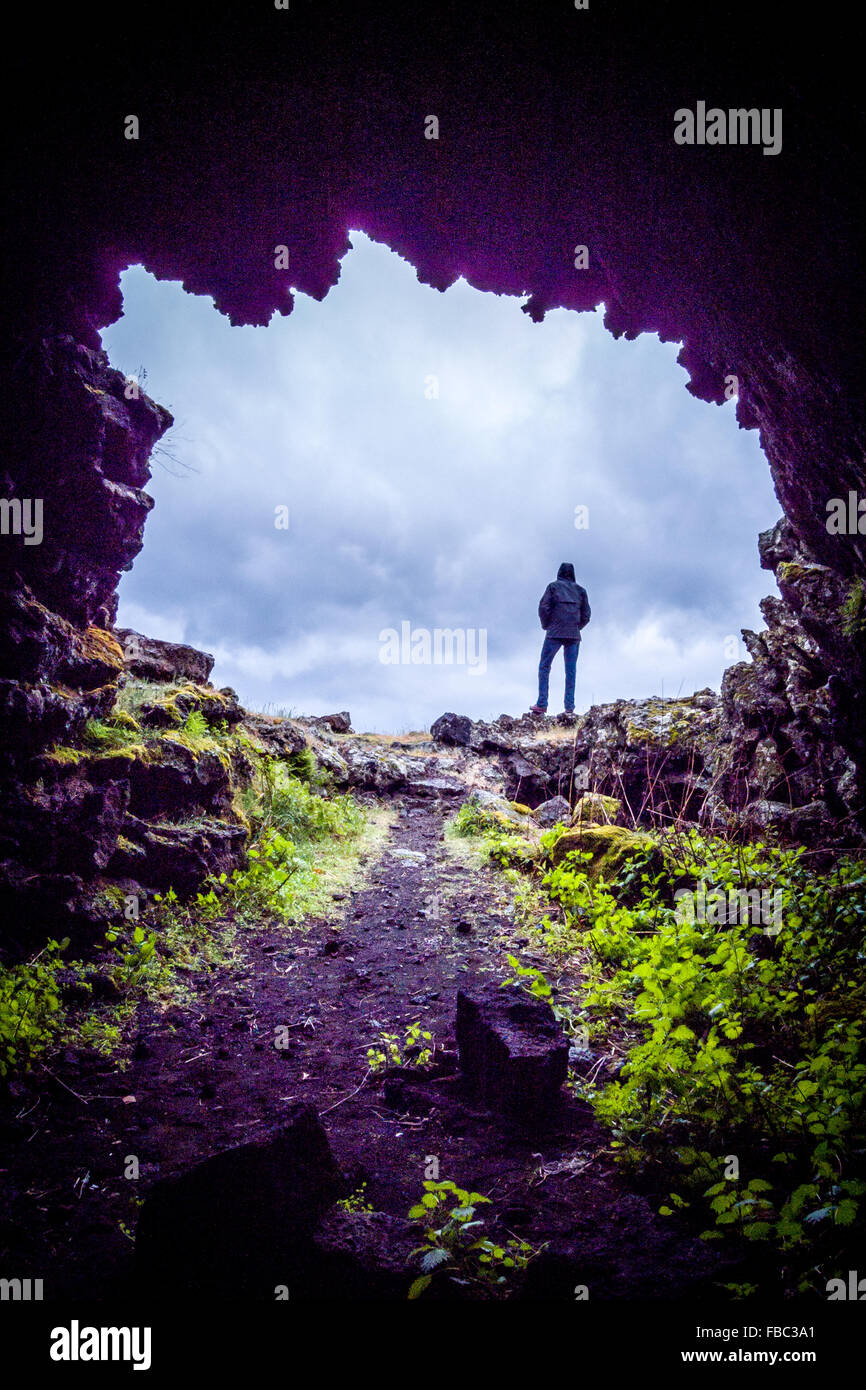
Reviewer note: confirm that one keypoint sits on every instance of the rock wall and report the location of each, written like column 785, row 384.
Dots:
column 287, row 128
column 80, row 465
column 780, row 749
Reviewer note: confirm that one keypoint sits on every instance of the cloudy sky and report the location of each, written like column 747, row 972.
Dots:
column 428, row 452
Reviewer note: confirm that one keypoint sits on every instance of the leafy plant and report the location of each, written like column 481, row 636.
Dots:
column 451, row 1246
column 737, row 1041
column 30, row 1010
column 529, row 978
column 280, row 801
column 357, row 1200
column 133, row 951
column 195, row 726
column 411, row 1052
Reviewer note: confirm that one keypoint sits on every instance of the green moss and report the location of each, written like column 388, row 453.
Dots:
column 595, row 809
column 121, row 719
column 103, row 736
column 134, row 753
column 675, row 722
column 102, row 646
column 198, row 745
column 180, row 702
column 65, row 756
column 789, row 572
column 611, row 847
column 854, row 609
column 108, row 900
column 128, row 846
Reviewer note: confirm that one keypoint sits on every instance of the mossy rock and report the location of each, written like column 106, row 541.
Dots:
column 121, row 719
column 199, row 747
column 102, row 649
column 65, row 757
column 594, row 809
column 171, row 709
column 519, row 806
column 611, row 847
column 131, row 753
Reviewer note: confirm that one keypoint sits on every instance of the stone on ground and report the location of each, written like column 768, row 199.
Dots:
column 241, row 1221
column 513, row 1053
column 611, row 847
column 553, row 811
column 450, row 728
column 597, row 810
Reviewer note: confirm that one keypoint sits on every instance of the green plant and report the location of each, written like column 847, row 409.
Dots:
column 104, row 736
column 100, row 1034
column 411, row 1052
column 30, row 1010
column 264, row 885
column 357, row 1200
column 280, row 801
column 133, row 951
column 471, row 820
column 738, row 1041
column 452, row 1248
column 303, row 766
column 529, row 978
column 854, row 609
column 195, row 726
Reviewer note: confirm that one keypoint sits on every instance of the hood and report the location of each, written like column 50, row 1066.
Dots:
column 566, row 571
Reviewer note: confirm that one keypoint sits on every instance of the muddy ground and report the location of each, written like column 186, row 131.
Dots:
column 202, row 1078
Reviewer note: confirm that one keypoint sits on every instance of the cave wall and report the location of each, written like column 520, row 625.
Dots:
column 270, row 127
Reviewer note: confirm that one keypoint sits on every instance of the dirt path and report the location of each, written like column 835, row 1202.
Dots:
column 203, row 1078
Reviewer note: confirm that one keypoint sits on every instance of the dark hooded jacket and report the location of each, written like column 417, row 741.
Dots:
column 564, row 607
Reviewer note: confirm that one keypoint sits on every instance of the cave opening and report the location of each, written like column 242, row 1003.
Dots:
column 133, row 835
column 395, row 465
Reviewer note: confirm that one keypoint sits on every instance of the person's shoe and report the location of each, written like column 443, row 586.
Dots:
column 537, row 709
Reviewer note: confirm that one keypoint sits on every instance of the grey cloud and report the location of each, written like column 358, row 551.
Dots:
column 448, row 512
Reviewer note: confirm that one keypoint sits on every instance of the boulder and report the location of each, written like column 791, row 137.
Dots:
column 611, row 847
column 332, row 762
column 168, row 778
column 338, row 723
column 362, row 1256
column 169, row 710
column 553, row 811
column 280, row 737
column 68, row 825
column 33, row 717
column 436, row 786
column 764, row 817
column 376, row 770
column 594, row 809
column 498, row 809
column 455, row 729
column 241, row 1222
column 160, row 856
column 811, row 823
column 513, row 1053
column 152, row 660
column 524, row 781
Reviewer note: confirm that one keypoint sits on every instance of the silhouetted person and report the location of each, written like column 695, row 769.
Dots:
column 563, row 610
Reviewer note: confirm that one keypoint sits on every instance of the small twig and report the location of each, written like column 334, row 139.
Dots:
column 83, row 1099
column 364, row 1079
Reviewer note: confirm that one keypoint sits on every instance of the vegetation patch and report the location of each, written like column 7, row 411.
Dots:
column 456, row 1246
column 743, row 1041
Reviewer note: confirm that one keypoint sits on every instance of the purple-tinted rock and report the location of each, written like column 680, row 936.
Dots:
column 513, row 1053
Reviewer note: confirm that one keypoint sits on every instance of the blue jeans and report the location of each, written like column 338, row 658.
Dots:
column 571, row 647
